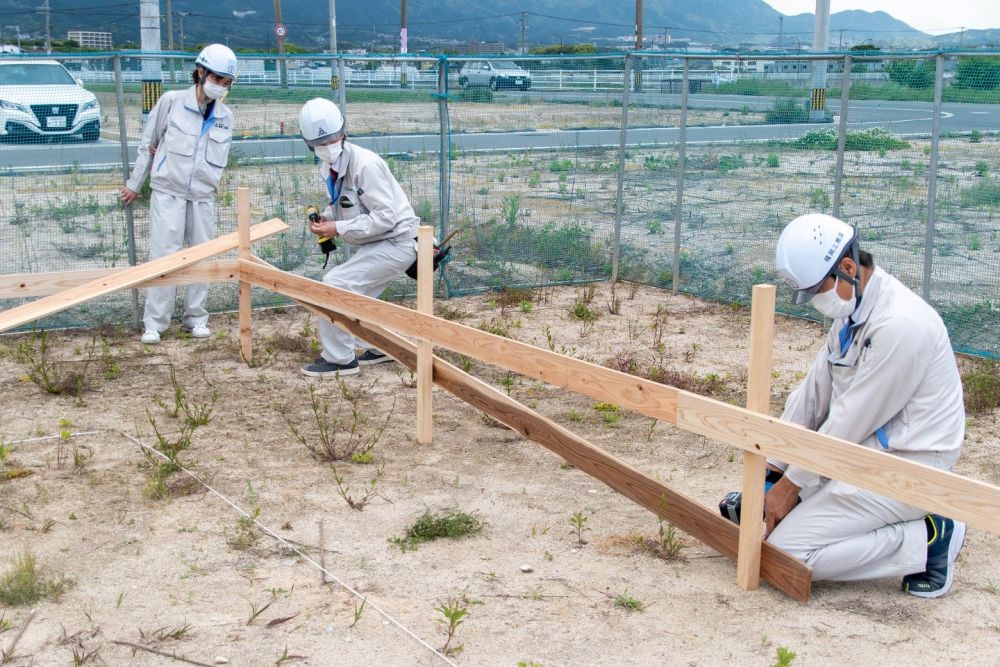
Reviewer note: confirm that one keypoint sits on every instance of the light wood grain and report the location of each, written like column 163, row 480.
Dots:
column 425, row 348
column 777, row 567
column 129, row 277
column 755, row 465
column 602, row 384
column 933, row 490
column 31, row 285
column 246, row 305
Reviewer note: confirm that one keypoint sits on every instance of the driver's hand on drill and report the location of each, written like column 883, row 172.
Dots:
column 778, row 502
column 128, row 196
column 323, row 227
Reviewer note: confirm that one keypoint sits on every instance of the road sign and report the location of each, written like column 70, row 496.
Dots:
column 280, row 30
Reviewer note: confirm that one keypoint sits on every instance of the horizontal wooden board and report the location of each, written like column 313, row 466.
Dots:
column 130, row 277
column 33, row 285
column 603, row 384
column 777, row 567
column 938, row 491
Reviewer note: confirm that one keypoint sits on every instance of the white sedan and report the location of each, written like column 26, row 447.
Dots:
column 39, row 100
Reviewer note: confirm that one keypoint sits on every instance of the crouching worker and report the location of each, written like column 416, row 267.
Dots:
column 368, row 210
column 885, row 379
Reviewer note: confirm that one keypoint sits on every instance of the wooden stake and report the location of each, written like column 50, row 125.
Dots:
column 246, row 307
column 425, row 348
column 755, row 465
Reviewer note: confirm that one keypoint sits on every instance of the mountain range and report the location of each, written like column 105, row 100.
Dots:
column 455, row 24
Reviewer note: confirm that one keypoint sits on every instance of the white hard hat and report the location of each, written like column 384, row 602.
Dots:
column 218, row 59
column 320, row 121
column 810, row 249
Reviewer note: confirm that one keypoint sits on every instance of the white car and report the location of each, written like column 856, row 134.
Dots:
column 496, row 74
column 40, row 100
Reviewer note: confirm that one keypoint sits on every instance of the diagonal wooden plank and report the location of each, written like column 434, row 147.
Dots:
column 777, row 567
column 602, row 384
column 29, row 285
column 131, row 276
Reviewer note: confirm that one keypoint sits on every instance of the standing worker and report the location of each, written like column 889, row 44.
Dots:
column 887, row 380
column 367, row 209
column 186, row 145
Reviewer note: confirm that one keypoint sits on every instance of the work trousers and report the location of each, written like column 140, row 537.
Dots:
column 175, row 222
column 369, row 271
column 846, row 534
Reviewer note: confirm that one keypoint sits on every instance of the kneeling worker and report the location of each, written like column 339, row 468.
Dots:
column 369, row 210
column 886, row 379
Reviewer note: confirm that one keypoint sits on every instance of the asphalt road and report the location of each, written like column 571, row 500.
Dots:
column 900, row 118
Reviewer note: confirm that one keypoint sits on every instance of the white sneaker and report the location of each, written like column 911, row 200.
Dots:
column 150, row 337
column 199, row 331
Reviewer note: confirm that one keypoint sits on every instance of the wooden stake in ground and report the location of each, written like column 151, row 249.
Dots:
column 755, row 465
column 246, row 308
column 425, row 348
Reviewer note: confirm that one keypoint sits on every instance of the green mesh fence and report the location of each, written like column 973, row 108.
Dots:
column 524, row 157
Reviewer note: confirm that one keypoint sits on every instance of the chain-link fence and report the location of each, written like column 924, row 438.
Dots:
column 677, row 170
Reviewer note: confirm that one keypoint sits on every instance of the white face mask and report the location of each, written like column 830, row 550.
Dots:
column 830, row 304
column 214, row 91
column 330, row 153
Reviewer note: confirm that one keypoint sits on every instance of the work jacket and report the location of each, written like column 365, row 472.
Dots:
column 367, row 201
column 886, row 379
column 190, row 150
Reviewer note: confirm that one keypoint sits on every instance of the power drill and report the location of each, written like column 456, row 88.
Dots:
column 326, row 244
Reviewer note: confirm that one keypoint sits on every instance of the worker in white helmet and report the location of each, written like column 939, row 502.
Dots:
column 369, row 210
column 886, row 379
column 185, row 146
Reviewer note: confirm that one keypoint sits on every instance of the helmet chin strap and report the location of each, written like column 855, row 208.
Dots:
column 856, row 279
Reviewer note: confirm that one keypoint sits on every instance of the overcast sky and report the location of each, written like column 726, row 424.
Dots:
column 931, row 16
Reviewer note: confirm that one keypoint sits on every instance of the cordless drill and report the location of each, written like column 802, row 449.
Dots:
column 326, row 244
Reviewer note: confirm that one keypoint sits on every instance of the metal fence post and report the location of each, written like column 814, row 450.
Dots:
column 619, row 200
column 681, row 154
column 932, row 175
column 445, row 149
column 838, row 178
column 342, row 87
column 123, row 144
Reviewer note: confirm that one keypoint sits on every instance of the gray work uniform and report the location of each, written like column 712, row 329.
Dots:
column 373, row 214
column 889, row 382
column 190, row 155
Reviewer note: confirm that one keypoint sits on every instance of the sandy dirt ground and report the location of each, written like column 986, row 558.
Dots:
column 183, row 576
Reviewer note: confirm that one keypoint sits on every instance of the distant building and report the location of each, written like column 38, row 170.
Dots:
column 91, row 40
column 485, row 47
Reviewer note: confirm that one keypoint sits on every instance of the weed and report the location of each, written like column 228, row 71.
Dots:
column 975, row 137
column 635, row 330
column 454, row 613
column 627, row 602
column 982, row 168
column 510, row 207
column 652, row 427
column 579, row 522
column 5, row 451
column 581, row 311
column 784, row 657
column 23, row 583
column 588, row 293
column 171, row 448
column 614, row 302
column 574, row 415
column 337, row 439
column 369, row 488
column 668, row 544
column 773, row 162
column 49, row 375
column 432, row 526
column 256, row 609
column 497, row 327
column 982, row 386
column 983, row 193
column 358, row 611
column 787, row 111
column 246, row 534
column 819, row 199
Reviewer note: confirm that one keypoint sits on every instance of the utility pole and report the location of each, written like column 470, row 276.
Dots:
column 48, row 27
column 840, row 47
column 821, row 39
column 402, row 27
column 523, row 27
column 149, row 41
column 781, row 30
column 170, row 26
column 181, row 16
column 638, row 45
column 961, row 38
column 281, row 44
column 333, row 26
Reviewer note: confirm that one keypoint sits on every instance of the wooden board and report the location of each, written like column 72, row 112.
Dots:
column 602, row 384
column 777, row 567
column 945, row 493
column 130, row 277
column 32, row 285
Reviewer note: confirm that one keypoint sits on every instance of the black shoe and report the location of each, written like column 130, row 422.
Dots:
column 945, row 541
column 372, row 357
column 321, row 368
